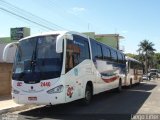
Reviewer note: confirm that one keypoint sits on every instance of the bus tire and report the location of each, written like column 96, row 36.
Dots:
column 119, row 89
column 131, row 83
column 88, row 95
column 140, row 79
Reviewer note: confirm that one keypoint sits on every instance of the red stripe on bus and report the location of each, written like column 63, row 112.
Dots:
column 110, row 79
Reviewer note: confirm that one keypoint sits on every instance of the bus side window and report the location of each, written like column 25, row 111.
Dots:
column 106, row 53
column 131, row 65
column 76, row 51
column 120, row 58
column 114, row 55
column 124, row 60
column 83, row 45
column 99, row 54
column 94, row 49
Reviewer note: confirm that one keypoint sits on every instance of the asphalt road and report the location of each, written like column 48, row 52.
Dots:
column 109, row 105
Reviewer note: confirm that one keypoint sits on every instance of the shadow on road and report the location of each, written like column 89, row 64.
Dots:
column 144, row 87
column 108, row 105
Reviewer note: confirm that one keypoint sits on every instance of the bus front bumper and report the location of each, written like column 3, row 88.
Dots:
column 39, row 99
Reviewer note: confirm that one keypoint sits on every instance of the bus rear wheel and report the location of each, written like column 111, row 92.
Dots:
column 131, row 84
column 119, row 89
column 140, row 79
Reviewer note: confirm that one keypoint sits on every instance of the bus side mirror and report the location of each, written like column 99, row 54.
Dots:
column 59, row 41
column 6, row 49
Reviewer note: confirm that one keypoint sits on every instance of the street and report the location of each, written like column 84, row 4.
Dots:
column 140, row 99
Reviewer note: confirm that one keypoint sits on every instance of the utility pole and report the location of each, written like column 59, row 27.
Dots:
column 88, row 26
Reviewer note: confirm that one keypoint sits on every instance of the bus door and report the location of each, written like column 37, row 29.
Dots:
column 77, row 67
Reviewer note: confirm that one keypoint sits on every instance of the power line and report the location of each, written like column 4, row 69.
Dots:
column 28, row 22
column 26, row 18
column 26, row 15
column 30, row 15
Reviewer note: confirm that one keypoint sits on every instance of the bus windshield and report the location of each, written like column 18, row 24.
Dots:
column 36, row 59
column 153, row 70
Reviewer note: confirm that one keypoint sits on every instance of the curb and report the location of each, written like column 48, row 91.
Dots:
column 17, row 108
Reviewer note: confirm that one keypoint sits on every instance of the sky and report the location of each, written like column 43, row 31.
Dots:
column 136, row 20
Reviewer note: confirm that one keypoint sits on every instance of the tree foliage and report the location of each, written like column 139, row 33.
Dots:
column 146, row 53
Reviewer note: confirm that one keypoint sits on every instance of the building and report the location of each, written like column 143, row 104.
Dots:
column 18, row 33
column 6, row 71
column 108, row 39
column 15, row 35
column 6, row 67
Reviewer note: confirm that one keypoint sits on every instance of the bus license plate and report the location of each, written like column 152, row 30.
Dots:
column 32, row 98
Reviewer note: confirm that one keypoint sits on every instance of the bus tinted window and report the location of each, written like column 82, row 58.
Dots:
column 120, row 57
column 96, row 50
column 82, row 43
column 132, row 64
column 106, row 53
column 99, row 52
column 124, row 60
column 135, row 65
column 76, row 51
column 114, row 55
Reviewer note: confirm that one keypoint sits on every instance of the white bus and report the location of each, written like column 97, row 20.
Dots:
column 134, row 71
column 60, row 67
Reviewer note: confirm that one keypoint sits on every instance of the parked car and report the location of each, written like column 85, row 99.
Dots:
column 145, row 77
column 153, row 73
column 158, row 74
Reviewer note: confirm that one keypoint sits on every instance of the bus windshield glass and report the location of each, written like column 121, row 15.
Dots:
column 36, row 59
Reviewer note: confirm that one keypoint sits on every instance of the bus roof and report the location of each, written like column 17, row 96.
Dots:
column 63, row 33
column 132, row 59
column 53, row 33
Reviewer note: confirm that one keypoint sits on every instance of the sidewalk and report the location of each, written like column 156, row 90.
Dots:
column 8, row 105
column 152, row 103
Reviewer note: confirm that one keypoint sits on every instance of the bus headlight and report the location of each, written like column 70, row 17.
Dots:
column 57, row 89
column 15, row 91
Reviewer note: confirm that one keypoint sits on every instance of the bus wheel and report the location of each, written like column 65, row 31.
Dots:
column 119, row 89
column 88, row 95
column 130, row 83
column 139, row 81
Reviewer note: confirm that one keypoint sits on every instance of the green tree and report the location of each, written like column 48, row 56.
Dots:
column 156, row 61
column 146, row 53
column 131, row 55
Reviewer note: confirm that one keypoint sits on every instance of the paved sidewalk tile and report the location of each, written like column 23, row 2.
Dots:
column 8, row 105
column 152, row 104
column 6, row 97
